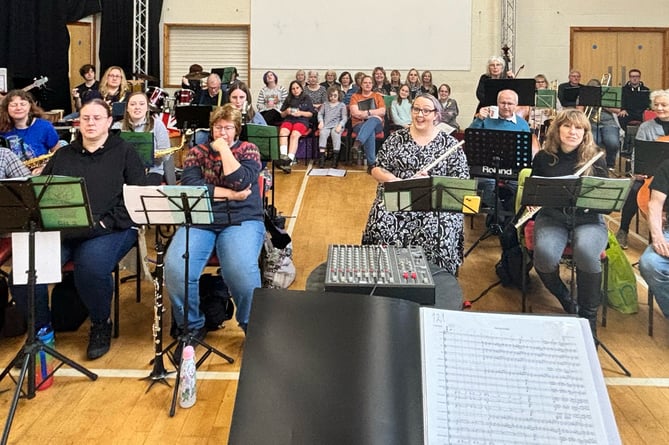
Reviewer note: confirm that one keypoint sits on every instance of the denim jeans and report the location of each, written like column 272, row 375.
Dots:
column 366, row 134
column 237, row 248
column 94, row 261
column 654, row 269
column 609, row 138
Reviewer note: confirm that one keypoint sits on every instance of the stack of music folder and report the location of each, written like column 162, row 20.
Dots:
column 331, row 368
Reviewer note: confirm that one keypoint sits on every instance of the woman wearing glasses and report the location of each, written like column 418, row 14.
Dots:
column 106, row 163
column 229, row 168
column 404, row 155
column 114, row 86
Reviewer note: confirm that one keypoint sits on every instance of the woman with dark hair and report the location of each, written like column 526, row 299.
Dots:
column 297, row 111
column 229, row 168
column 138, row 118
column 450, row 106
column 345, row 82
column 395, row 82
column 28, row 135
column 367, row 110
column 569, row 145
column 240, row 96
column 271, row 97
column 106, row 163
column 405, row 154
column 381, row 84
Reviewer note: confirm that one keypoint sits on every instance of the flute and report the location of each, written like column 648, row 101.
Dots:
column 432, row 164
column 529, row 214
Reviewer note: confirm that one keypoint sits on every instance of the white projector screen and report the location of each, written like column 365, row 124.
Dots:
column 359, row 34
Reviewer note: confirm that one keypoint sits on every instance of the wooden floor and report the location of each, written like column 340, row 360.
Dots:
column 117, row 408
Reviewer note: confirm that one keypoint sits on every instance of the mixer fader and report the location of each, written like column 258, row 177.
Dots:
column 391, row 271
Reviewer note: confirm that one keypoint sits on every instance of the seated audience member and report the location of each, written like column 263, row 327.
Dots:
column 427, row 87
column 565, row 98
column 403, row 155
column 138, row 118
column 367, row 110
column 413, row 82
column 494, row 70
column 27, row 134
column 569, row 145
column 654, row 262
column 229, row 168
column 213, row 95
column 400, row 109
column 357, row 78
column 331, row 120
column 114, row 86
column 395, row 82
column 330, row 80
column 82, row 92
column 632, row 109
column 345, row 82
column 296, row 112
column 605, row 129
column 301, row 77
column 106, row 163
column 270, row 98
column 240, row 96
column 380, row 81
column 449, row 105
column 315, row 91
column 508, row 120
column 651, row 130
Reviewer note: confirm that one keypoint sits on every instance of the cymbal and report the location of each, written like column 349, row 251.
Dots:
column 147, row 77
column 197, row 76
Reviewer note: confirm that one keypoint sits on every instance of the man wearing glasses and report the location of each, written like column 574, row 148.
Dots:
column 635, row 99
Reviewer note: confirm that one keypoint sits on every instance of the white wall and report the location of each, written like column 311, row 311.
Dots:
column 542, row 34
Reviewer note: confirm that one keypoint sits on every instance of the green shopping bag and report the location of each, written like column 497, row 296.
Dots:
column 621, row 290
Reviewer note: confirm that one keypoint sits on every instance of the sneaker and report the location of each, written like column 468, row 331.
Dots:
column 99, row 339
column 621, row 237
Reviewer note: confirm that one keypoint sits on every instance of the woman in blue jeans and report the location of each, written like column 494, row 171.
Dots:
column 229, row 168
column 106, row 162
column 367, row 110
column 569, row 146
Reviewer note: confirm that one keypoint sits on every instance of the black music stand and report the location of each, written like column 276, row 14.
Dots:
column 431, row 194
column 192, row 117
column 523, row 87
column 496, row 154
column 573, row 193
column 648, row 155
column 174, row 205
column 33, row 204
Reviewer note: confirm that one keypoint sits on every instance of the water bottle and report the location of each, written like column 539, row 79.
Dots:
column 44, row 361
column 187, row 389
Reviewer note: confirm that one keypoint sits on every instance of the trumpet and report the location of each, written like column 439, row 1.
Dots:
column 37, row 162
column 604, row 82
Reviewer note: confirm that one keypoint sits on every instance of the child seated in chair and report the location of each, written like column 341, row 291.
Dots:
column 331, row 120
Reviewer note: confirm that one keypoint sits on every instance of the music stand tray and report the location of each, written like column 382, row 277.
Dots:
column 33, row 204
column 433, row 193
column 192, row 116
column 266, row 138
column 584, row 192
column 648, row 155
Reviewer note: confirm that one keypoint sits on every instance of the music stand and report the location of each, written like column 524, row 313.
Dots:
column 523, row 87
column 430, row 194
column 648, row 155
column 585, row 192
column 33, row 204
column 500, row 155
column 192, row 117
column 173, row 205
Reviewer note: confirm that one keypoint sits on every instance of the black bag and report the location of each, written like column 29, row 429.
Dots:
column 4, row 300
column 68, row 312
column 509, row 269
column 12, row 321
column 215, row 301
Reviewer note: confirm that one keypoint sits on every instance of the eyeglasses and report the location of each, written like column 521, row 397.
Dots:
column 96, row 118
column 226, row 127
column 114, row 76
column 425, row 111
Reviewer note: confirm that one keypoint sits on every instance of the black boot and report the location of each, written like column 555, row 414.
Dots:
column 589, row 296
column 556, row 286
column 321, row 160
column 335, row 159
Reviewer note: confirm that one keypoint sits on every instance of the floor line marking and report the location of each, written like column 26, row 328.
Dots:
column 298, row 201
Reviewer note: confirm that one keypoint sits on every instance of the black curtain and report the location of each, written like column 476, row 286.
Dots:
column 34, row 42
column 116, row 40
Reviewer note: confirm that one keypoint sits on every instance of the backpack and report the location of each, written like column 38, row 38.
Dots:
column 215, row 301
column 509, row 268
column 68, row 312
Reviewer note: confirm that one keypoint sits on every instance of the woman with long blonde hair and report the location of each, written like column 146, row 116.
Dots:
column 114, row 85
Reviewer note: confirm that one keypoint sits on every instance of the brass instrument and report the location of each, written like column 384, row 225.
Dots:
column 604, row 82
column 37, row 162
column 167, row 151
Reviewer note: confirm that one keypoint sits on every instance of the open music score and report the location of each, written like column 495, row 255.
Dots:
column 501, row 378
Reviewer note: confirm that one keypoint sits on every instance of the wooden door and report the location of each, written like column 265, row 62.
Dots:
column 595, row 51
column 81, row 50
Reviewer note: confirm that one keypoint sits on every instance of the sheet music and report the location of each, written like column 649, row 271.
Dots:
column 512, row 379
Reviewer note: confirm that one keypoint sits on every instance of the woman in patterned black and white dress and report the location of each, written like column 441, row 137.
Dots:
column 403, row 155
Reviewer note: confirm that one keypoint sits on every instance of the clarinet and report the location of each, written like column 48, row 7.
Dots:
column 158, row 309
